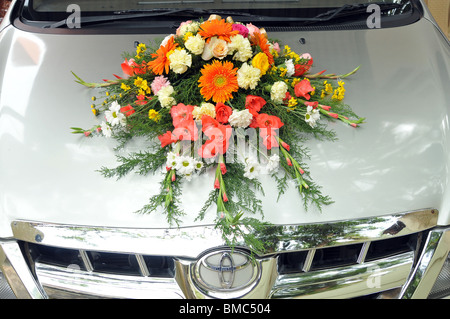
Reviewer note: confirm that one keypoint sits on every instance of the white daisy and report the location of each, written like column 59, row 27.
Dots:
column 251, row 168
column 106, row 129
column 113, row 115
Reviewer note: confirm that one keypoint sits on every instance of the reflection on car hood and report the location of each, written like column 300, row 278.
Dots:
column 395, row 162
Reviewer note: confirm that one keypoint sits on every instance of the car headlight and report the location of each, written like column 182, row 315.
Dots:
column 441, row 287
column 5, row 290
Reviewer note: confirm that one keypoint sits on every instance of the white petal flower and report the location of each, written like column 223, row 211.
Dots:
column 180, row 61
column 113, row 115
column 290, row 67
column 106, row 129
column 252, row 168
column 240, row 47
column 278, row 91
column 312, row 116
column 165, row 98
column 185, row 165
column 273, row 162
column 248, row 76
column 195, row 44
column 240, row 118
column 172, row 160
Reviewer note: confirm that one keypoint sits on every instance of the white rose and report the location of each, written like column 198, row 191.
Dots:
column 216, row 48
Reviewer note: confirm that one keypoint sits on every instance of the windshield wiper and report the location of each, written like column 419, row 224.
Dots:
column 351, row 10
column 142, row 14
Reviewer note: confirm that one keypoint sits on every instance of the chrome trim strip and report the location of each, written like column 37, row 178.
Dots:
column 363, row 253
column 190, row 242
column 87, row 263
column 309, row 260
column 17, row 273
column 435, row 252
column 142, row 266
column 346, row 282
column 60, row 282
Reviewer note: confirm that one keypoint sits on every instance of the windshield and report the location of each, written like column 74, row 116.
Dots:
column 101, row 13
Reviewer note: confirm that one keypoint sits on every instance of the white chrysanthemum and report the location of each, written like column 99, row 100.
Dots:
column 290, row 67
column 204, row 109
column 251, row 168
column 195, row 44
column 185, row 165
column 180, row 61
column 278, row 91
column 240, row 118
column 113, row 115
column 248, row 76
column 106, row 129
column 240, row 47
column 273, row 162
column 312, row 116
column 172, row 159
column 165, row 98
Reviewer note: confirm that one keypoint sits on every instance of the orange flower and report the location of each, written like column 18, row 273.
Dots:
column 260, row 40
column 218, row 81
column 217, row 28
column 162, row 63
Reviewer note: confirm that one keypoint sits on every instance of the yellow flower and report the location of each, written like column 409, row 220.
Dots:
column 295, row 81
column 187, row 35
column 261, row 61
column 292, row 102
column 125, row 87
column 154, row 115
column 283, row 72
column 328, row 87
column 141, row 48
column 94, row 111
column 322, row 95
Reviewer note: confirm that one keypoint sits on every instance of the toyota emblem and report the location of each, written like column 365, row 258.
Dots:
column 226, row 271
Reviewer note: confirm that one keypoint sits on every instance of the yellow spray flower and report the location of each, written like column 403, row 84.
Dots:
column 154, row 115
column 125, row 87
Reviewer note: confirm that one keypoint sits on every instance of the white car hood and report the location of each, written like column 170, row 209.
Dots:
column 396, row 162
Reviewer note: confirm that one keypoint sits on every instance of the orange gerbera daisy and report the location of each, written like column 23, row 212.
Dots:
column 162, row 63
column 217, row 28
column 218, row 81
column 260, row 40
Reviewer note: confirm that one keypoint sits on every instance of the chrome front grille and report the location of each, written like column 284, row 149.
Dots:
column 336, row 260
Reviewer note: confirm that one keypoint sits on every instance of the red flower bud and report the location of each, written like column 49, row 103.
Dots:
column 225, row 198
column 286, row 146
column 288, row 161
column 217, row 184
column 223, row 168
column 334, row 115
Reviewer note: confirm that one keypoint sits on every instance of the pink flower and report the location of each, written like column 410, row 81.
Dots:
column 252, row 29
column 158, row 83
column 241, row 28
column 276, row 47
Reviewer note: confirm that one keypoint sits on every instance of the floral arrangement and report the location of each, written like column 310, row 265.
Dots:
column 201, row 91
